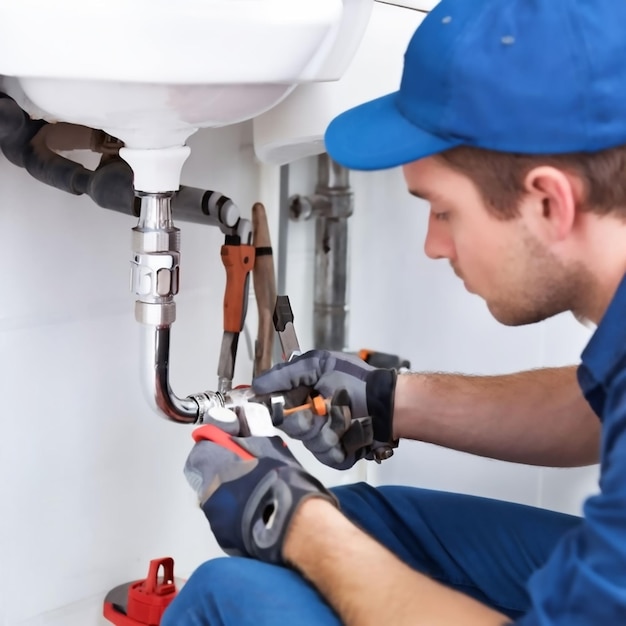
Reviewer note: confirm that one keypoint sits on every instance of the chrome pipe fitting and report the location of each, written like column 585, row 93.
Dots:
column 155, row 352
column 154, row 281
column 156, row 253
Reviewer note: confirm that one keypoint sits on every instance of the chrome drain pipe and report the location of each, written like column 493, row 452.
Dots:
column 155, row 351
column 155, row 271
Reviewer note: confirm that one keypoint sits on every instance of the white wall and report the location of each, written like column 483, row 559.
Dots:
column 91, row 481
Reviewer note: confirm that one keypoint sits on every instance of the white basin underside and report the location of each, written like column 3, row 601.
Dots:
column 144, row 115
column 151, row 72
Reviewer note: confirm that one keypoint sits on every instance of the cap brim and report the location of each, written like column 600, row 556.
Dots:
column 376, row 136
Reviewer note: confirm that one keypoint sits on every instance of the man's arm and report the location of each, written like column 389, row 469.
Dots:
column 539, row 417
column 365, row 583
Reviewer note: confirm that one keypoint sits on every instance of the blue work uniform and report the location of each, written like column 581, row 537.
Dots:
column 539, row 567
column 584, row 580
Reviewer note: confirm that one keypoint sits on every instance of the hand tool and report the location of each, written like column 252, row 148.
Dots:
column 385, row 360
column 238, row 259
column 264, row 280
column 283, row 323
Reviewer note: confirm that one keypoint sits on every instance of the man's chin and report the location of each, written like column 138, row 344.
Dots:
column 508, row 316
column 507, row 319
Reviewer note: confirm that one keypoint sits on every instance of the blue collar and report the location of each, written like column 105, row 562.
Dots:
column 607, row 347
column 605, row 354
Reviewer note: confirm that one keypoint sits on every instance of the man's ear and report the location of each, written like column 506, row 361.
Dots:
column 552, row 196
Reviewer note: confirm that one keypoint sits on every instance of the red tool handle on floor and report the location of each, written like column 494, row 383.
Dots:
column 143, row 602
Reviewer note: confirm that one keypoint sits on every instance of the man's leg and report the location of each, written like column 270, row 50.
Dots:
column 234, row 591
column 485, row 548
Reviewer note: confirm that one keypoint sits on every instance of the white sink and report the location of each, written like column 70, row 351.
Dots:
column 151, row 72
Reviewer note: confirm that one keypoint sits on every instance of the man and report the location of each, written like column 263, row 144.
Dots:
column 511, row 122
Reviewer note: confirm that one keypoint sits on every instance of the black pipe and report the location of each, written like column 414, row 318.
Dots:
column 17, row 134
column 11, row 117
column 110, row 186
column 52, row 169
column 16, row 130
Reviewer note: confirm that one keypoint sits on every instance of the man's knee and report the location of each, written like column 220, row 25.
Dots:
column 216, row 591
column 209, row 585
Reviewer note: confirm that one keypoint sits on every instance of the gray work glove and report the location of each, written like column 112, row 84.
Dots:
column 368, row 391
column 249, row 489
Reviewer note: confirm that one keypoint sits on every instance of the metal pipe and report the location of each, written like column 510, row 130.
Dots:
column 333, row 204
column 330, row 310
column 154, row 362
column 156, row 241
column 332, row 178
column 154, row 280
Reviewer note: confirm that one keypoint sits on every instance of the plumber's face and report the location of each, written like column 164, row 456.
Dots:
column 500, row 260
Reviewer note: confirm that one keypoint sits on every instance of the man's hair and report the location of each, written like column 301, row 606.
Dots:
column 500, row 176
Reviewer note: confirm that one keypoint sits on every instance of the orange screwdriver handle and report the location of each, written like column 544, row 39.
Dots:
column 317, row 404
column 238, row 261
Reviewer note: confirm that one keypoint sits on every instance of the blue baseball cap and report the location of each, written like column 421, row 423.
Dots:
column 522, row 76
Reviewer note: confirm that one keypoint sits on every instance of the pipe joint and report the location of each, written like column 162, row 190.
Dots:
column 155, row 276
column 155, row 240
column 155, row 266
column 158, row 315
column 334, row 205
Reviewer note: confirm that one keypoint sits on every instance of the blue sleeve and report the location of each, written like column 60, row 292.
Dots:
column 584, row 581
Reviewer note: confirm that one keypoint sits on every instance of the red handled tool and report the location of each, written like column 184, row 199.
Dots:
column 143, row 602
column 218, row 436
column 238, row 259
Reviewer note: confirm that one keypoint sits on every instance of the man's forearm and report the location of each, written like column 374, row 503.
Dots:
column 365, row 583
column 538, row 417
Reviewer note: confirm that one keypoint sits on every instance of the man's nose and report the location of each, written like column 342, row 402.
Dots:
column 438, row 243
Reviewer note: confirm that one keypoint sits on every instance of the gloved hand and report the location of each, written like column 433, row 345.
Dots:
column 249, row 489
column 334, row 441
